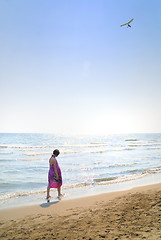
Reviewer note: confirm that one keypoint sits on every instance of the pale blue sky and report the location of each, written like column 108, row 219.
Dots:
column 68, row 67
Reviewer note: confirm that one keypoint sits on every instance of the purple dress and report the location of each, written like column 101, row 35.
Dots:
column 52, row 182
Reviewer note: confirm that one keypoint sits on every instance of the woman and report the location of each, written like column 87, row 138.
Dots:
column 54, row 175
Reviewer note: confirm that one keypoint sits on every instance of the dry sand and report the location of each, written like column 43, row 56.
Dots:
column 132, row 214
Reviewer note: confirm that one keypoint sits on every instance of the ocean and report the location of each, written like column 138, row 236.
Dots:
column 89, row 164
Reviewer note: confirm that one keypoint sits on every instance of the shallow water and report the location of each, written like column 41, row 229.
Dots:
column 87, row 162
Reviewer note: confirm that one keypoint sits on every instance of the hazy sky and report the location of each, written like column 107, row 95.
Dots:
column 66, row 66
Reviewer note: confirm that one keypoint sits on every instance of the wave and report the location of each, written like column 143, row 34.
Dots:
column 68, row 152
column 95, row 182
column 91, row 148
column 28, row 148
column 20, row 194
column 144, row 145
column 6, row 153
column 104, row 179
column 55, row 146
column 125, row 178
column 78, row 169
column 131, row 140
column 121, row 164
column 37, row 154
column 31, row 159
column 90, row 151
column 41, row 191
column 153, row 148
column 98, row 166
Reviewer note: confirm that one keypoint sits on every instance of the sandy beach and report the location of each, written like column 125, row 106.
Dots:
column 132, row 214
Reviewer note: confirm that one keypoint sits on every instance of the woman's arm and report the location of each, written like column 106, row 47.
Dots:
column 55, row 169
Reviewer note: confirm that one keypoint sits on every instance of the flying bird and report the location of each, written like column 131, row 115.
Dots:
column 128, row 23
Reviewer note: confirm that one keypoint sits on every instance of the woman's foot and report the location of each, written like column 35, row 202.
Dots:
column 60, row 196
column 48, row 198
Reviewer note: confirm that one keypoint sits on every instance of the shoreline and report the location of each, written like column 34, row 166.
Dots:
column 89, row 217
column 79, row 192
column 64, row 204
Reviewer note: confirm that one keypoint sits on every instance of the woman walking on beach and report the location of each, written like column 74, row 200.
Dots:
column 54, row 175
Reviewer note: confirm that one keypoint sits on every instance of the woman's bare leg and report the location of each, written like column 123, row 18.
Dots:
column 48, row 192
column 59, row 191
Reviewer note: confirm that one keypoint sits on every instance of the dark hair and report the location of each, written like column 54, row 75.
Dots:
column 56, row 152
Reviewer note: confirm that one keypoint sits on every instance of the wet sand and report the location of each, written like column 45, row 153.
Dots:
column 132, row 214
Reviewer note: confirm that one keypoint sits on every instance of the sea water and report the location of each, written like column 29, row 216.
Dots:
column 89, row 164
